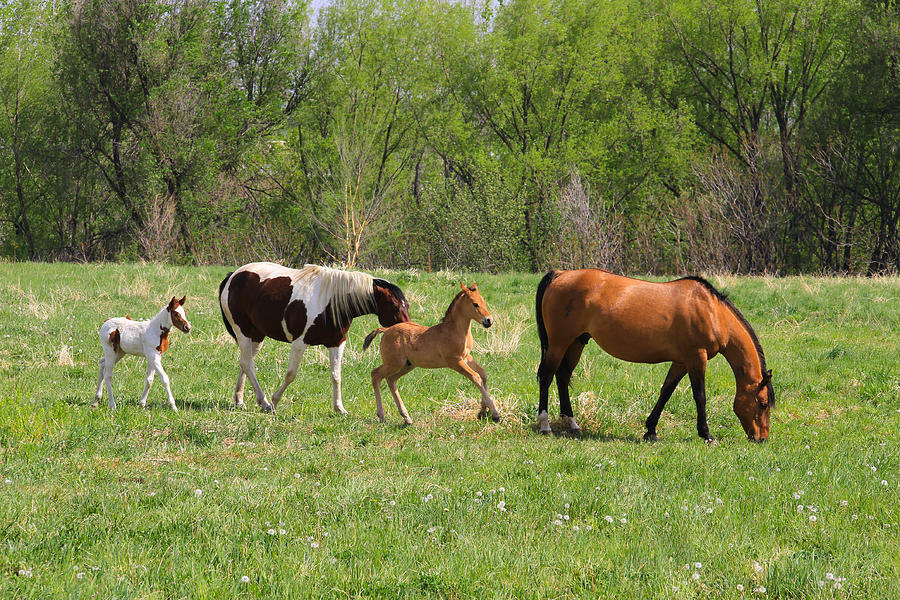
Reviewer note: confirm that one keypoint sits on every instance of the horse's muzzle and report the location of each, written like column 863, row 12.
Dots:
column 487, row 322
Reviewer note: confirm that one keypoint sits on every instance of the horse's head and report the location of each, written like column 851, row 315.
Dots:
column 476, row 307
column 177, row 314
column 752, row 404
column 391, row 306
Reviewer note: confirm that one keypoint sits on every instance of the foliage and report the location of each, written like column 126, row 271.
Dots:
column 375, row 132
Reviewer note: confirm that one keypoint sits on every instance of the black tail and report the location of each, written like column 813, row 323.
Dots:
column 224, row 320
column 371, row 337
column 539, row 314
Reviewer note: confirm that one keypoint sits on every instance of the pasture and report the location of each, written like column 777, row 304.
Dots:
column 210, row 502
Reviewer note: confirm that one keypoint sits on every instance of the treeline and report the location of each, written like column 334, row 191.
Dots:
column 638, row 135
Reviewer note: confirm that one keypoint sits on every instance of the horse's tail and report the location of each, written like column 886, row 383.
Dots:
column 371, row 337
column 539, row 314
column 222, row 308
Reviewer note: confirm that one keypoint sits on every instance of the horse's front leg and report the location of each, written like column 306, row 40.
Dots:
column 298, row 347
column 465, row 368
column 335, row 356
column 156, row 361
column 487, row 403
column 148, row 381
column 676, row 373
column 697, row 375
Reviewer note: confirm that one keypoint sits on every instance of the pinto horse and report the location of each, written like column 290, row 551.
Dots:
column 123, row 335
column 685, row 322
column 447, row 344
column 304, row 307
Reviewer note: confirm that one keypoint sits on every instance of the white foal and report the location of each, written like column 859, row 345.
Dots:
column 122, row 335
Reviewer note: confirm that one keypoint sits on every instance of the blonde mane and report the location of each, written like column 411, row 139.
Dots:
column 347, row 292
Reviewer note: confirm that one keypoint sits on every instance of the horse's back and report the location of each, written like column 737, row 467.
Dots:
column 632, row 319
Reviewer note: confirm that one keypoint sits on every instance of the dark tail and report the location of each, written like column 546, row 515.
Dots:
column 371, row 337
column 539, row 314
column 221, row 308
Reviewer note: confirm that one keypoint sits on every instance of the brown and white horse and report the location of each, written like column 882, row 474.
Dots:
column 447, row 344
column 123, row 335
column 685, row 322
column 312, row 306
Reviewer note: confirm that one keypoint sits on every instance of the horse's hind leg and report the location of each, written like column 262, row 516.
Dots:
column 392, row 385
column 99, row 393
column 298, row 347
column 676, row 373
column 378, row 374
column 109, row 363
column 242, row 377
column 564, row 377
column 249, row 369
column 546, row 370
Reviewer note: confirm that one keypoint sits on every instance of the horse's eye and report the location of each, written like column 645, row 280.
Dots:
column 764, row 404
column 475, row 304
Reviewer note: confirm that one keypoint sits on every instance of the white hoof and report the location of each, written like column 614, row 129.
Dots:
column 544, row 424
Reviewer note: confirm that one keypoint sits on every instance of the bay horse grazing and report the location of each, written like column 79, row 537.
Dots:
column 447, row 344
column 312, row 306
column 123, row 335
column 685, row 322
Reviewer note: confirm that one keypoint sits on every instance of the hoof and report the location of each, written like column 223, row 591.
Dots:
column 267, row 408
column 712, row 442
column 650, row 437
column 545, row 431
column 482, row 414
column 240, row 406
column 495, row 418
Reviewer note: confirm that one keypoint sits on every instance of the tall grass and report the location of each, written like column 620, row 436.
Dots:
column 305, row 503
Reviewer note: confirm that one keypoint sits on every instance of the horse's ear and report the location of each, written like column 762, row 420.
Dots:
column 181, row 302
column 462, row 285
column 766, row 379
column 473, row 287
column 172, row 303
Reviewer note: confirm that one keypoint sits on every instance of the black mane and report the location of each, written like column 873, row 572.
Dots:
column 723, row 298
column 393, row 289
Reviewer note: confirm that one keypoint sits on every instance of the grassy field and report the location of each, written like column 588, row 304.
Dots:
column 215, row 503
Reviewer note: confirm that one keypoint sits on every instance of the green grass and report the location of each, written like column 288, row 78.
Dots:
column 100, row 505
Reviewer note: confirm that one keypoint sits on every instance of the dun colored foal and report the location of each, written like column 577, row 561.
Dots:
column 406, row 346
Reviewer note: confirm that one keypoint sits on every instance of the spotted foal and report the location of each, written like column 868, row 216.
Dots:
column 122, row 335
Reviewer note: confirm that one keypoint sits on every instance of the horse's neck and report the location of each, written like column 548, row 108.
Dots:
column 740, row 351
column 456, row 321
column 162, row 320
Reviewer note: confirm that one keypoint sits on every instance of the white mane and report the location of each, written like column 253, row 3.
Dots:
column 348, row 291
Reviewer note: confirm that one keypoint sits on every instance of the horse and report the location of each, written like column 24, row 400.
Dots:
column 685, row 322
column 304, row 307
column 123, row 335
column 447, row 344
